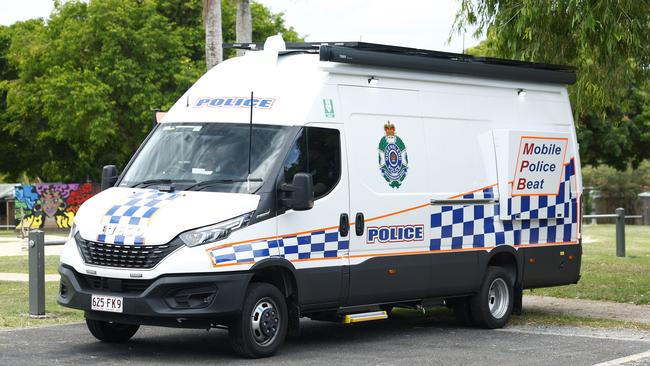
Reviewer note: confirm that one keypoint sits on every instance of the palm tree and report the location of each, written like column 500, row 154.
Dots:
column 213, row 33
column 244, row 27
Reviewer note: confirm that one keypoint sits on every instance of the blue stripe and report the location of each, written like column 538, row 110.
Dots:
column 331, row 237
column 150, row 212
column 225, row 258
column 131, row 210
column 112, row 210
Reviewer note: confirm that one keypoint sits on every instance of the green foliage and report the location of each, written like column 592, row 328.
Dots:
column 606, row 40
column 605, row 276
column 618, row 186
column 77, row 92
column 608, row 43
column 622, row 136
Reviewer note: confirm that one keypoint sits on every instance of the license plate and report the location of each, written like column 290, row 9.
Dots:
column 107, row 303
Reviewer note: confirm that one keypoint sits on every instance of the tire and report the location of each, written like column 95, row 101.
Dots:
column 111, row 332
column 492, row 305
column 250, row 336
column 462, row 311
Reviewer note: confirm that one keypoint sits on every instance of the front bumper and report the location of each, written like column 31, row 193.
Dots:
column 180, row 300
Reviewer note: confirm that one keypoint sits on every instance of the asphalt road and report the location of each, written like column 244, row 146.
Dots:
column 386, row 342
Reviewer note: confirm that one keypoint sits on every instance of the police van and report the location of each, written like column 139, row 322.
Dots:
column 335, row 181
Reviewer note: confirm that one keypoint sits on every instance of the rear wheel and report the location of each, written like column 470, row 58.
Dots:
column 111, row 332
column 262, row 327
column 492, row 305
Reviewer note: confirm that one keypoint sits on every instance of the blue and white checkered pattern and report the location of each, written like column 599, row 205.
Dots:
column 469, row 226
column 477, row 226
column 314, row 245
column 485, row 193
column 123, row 223
column 546, row 207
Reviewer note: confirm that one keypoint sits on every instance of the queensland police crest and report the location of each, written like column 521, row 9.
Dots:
column 393, row 158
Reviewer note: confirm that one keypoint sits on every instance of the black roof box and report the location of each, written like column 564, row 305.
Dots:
column 371, row 54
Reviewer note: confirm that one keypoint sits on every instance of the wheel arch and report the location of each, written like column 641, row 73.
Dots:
column 281, row 273
column 507, row 257
column 278, row 272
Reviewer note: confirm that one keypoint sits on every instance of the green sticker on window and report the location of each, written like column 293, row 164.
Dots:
column 328, row 108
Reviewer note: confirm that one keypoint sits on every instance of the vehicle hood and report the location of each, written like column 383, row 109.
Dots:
column 148, row 216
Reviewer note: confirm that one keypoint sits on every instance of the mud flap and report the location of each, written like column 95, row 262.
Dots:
column 294, row 321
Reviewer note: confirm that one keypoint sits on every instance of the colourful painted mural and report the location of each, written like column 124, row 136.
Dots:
column 50, row 205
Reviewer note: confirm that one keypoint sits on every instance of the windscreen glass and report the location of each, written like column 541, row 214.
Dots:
column 207, row 156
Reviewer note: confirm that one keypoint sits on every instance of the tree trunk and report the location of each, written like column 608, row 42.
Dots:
column 213, row 33
column 243, row 23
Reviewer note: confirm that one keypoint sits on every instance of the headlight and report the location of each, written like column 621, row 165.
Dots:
column 73, row 230
column 216, row 232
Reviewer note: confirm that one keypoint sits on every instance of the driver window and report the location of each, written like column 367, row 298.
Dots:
column 316, row 151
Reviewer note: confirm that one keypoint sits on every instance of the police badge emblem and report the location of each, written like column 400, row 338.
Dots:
column 392, row 156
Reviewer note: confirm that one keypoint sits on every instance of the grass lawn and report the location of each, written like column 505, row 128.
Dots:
column 8, row 234
column 19, row 264
column 607, row 277
column 443, row 315
column 14, row 306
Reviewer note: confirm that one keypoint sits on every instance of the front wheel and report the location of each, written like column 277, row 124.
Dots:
column 492, row 305
column 111, row 332
column 262, row 327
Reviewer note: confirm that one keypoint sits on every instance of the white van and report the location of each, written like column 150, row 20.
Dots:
column 336, row 182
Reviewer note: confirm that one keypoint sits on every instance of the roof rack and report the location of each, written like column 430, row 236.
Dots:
column 372, row 54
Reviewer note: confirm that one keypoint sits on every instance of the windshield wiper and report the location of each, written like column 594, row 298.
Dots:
column 148, row 182
column 207, row 183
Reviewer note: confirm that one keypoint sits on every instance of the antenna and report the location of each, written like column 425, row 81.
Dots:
column 250, row 146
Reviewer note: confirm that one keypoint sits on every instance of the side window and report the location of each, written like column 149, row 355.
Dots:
column 324, row 146
column 296, row 161
column 316, row 151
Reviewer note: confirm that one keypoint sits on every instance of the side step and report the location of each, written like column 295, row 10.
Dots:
column 364, row 317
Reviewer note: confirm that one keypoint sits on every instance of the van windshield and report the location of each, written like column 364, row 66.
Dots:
column 207, row 156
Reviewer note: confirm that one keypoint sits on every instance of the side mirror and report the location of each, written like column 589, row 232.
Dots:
column 301, row 192
column 109, row 176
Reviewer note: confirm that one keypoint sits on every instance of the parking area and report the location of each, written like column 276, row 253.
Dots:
column 389, row 342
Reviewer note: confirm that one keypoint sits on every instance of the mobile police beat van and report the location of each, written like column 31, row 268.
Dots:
column 335, row 182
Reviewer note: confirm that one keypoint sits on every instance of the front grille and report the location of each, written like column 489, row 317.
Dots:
column 115, row 284
column 125, row 256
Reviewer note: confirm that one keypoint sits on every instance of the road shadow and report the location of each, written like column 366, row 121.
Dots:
column 156, row 345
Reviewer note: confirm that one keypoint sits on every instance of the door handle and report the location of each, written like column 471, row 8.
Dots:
column 344, row 225
column 359, row 224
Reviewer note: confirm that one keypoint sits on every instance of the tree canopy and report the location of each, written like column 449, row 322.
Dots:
column 77, row 91
column 608, row 42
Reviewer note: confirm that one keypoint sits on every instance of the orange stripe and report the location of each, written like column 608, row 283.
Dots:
column 441, row 251
column 476, row 190
column 271, row 237
column 416, row 252
column 544, row 138
column 314, row 259
column 547, row 244
column 368, row 220
column 233, row 264
column 395, row 213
